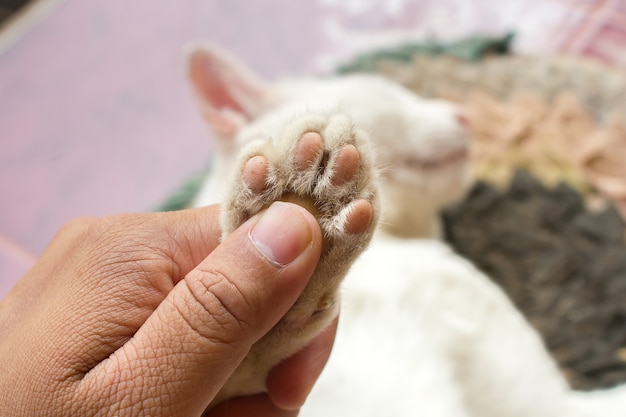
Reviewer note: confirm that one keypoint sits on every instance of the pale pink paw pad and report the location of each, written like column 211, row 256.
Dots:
column 307, row 150
column 255, row 172
column 346, row 165
column 359, row 217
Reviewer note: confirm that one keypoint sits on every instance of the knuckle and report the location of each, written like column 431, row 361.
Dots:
column 77, row 227
column 80, row 223
column 220, row 310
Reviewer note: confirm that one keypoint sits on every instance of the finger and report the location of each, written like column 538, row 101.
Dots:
column 291, row 381
column 196, row 338
column 182, row 237
column 186, row 236
column 257, row 406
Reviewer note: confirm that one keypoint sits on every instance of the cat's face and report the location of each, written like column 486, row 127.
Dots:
column 421, row 146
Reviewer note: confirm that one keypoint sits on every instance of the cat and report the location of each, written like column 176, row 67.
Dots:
column 421, row 330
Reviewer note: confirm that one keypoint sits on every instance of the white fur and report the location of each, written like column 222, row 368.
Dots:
column 422, row 332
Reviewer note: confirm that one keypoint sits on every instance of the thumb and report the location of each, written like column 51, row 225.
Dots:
column 186, row 350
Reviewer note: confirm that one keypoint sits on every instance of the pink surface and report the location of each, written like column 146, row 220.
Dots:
column 96, row 116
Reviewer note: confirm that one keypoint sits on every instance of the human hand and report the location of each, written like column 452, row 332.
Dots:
column 148, row 314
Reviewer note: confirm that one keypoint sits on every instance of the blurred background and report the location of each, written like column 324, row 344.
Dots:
column 96, row 116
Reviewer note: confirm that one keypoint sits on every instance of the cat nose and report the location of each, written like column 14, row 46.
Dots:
column 463, row 120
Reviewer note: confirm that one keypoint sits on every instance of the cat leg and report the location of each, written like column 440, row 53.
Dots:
column 322, row 163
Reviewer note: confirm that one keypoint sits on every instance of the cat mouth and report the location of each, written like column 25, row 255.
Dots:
column 444, row 161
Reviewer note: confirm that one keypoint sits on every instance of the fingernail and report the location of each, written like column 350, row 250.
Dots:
column 282, row 233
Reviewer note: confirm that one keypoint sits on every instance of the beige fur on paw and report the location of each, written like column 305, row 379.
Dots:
column 323, row 164
column 319, row 162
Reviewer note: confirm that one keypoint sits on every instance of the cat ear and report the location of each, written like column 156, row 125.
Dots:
column 229, row 94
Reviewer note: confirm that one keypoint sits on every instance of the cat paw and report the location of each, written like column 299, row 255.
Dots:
column 311, row 182
column 322, row 163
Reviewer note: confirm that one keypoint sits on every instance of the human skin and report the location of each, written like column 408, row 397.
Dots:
column 149, row 314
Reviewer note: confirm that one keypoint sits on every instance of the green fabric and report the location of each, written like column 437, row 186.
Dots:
column 471, row 49
column 184, row 195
